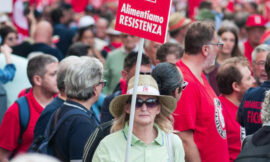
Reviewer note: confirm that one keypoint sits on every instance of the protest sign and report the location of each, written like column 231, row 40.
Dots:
column 6, row 6
column 144, row 18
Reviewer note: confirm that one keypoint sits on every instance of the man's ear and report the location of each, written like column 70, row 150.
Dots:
column 94, row 90
column 37, row 80
column 205, row 50
column 236, row 87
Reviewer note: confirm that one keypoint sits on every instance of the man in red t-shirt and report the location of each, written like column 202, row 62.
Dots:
column 255, row 26
column 42, row 72
column 198, row 116
column 233, row 80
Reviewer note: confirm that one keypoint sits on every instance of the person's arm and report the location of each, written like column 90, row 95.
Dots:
column 6, row 50
column 4, row 155
column 191, row 151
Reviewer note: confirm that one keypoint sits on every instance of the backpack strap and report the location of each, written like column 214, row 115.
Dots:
column 68, row 114
column 24, row 116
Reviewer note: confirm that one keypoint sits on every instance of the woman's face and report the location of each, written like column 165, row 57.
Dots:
column 11, row 39
column 88, row 38
column 146, row 110
column 229, row 42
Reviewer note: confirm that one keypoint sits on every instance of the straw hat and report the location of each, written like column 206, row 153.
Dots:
column 177, row 21
column 146, row 86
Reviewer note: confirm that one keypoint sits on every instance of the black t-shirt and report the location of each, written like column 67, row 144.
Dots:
column 73, row 134
column 249, row 112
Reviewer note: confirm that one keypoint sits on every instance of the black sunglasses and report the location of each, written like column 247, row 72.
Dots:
column 103, row 83
column 150, row 102
column 182, row 86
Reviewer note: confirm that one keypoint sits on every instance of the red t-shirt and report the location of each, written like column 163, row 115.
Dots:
column 248, row 51
column 233, row 128
column 199, row 109
column 10, row 126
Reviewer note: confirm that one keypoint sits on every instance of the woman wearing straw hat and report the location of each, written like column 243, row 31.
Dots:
column 151, row 139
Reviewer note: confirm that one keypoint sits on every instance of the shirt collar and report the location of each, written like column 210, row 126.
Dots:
column 34, row 102
column 76, row 105
column 159, row 139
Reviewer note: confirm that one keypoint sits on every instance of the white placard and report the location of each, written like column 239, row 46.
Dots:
column 6, row 6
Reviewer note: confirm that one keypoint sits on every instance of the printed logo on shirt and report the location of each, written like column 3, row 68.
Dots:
column 219, row 119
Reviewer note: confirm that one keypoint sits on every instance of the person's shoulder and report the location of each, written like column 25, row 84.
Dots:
column 113, row 138
column 13, row 109
column 114, row 52
column 254, row 91
column 176, row 139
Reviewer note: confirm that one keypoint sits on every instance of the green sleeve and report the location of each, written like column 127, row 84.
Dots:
column 179, row 153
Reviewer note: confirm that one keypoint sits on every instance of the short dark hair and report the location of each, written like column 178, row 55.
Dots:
column 78, row 49
column 66, row 6
column 37, row 65
column 56, row 15
column 4, row 31
column 205, row 5
column 168, row 78
column 267, row 65
column 198, row 34
column 131, row 60
column 229, row 73
column 175, row 32
column 169, row 48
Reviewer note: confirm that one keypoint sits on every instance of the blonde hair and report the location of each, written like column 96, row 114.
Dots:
column 161, row 120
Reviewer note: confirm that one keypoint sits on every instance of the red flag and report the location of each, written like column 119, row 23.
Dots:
column 79, row 6
column 18, row 18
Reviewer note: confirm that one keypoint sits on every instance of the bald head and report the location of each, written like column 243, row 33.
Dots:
column 43, row 32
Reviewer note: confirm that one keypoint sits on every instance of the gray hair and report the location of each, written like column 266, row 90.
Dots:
column 265, row 113
column 81, row 77
column 258, row 49
column 64, row 64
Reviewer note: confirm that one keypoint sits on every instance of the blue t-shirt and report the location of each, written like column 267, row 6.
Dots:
column 46, row 115
column 249, row 112
column 66, row 35
column 73, row 134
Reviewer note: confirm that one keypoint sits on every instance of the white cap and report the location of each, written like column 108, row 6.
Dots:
column 86, row 21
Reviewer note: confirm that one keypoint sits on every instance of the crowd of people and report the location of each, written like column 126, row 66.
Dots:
column 66, row 87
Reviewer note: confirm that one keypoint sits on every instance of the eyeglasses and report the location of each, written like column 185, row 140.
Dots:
column 102, row 83
column 260, row 63
column 145, row 73
column 182, row 86
column 218, row 44
column 150, row 102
